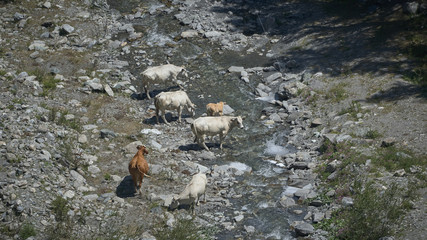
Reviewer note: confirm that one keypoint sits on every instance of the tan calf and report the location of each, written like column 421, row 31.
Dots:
column 215, row 109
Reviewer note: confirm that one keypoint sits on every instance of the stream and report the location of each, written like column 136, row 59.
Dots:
column 256, row 146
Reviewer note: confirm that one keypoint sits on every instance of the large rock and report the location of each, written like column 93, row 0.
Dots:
column 189, row 34
column 108, row 90
column 227, row 110
column 106, row 133
column 131, row 147
column 93, row 169
column 212, row 34
column 287, row 202
column 18, row 17
column 65, row 29
column 273, row 77
column 347, row 201
column 304, row 229
column 95, row 85
column 299, row 165
column 38, row 45
column 236, row 69
column 387, row 142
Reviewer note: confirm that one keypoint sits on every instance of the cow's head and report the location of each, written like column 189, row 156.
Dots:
column 191, row 108
column 175, row 202
column 184, row 71
column 142, row 148
column 238, row 121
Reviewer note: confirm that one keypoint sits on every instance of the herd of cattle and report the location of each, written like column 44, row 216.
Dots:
column 213, row 124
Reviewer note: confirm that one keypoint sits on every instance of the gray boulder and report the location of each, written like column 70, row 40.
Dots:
column 106, row 133
column 287, row 202
column 65, row 30
column 304, row 229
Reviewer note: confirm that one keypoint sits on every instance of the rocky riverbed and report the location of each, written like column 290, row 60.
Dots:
column 72, row 116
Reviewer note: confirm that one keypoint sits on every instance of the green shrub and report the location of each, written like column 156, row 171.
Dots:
column 60, row 208
column 372, row 134
column 417, row 76
column 184, row 229
column 27, row 230
column 52, row 114
column 69, row 159
column 73, row 123
column 373, row 215
column 48, row 81
column 107, row 177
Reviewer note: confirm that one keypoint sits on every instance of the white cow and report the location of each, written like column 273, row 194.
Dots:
column 211, row 126
column 192, row 192
column 173, row 100
column 160, row 74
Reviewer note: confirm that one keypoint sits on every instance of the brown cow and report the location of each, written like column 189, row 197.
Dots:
column 138, row 167
column 215, row 109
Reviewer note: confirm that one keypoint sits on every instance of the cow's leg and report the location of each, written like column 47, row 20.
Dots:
column 140, row 185
column 147, row 92
column 164, row 117
column 157, row 115
column 221, row 139
column 179, row 113
column 135, row 183
column 193, row 206
column 202, row 142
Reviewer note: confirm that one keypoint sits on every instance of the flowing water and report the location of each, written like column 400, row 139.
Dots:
column 255, row 146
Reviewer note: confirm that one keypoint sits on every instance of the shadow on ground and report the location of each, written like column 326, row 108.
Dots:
column 126, row 188
column 335, row 36
column 400, row 90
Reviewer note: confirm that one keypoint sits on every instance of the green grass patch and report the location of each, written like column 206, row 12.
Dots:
column 107, row 177
column 18, row 101
column 417, row 76
column 354, row 108
column 184, row 229
column 395, row 158
column 6, row 230
column 47, row 80
column 374, row 214
column 71, row 123
column 372, row 134
column 27, row 230
column 337, row 93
